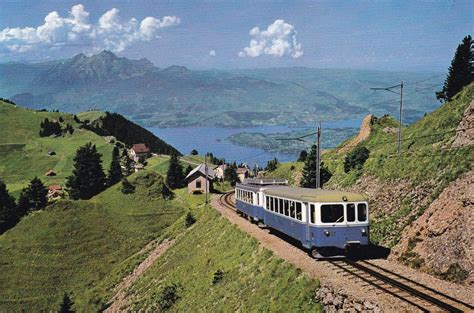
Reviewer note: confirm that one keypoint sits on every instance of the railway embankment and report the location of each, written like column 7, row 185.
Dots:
column 373, row 284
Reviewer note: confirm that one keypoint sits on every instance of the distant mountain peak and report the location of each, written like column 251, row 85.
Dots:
column 104, row 66
column 105, row 54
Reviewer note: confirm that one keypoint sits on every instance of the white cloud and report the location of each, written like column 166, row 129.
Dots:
column 212, row 53
column 110, row 32
column 279, row 39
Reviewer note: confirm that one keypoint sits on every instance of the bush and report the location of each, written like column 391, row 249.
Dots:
column 356, row 158
column 218, row 276
column 168, row 297
column 127, row 187
column 190, row 220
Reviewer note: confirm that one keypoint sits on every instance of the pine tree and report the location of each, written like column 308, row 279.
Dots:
column 87, row 177
column 115, row 171
column 188, row 170
column 8, row 216
column 174, row 177
column 66, row 305
column 461, row 71
column 230, row 174
column 303, row 156
column 33, row 197
column 309, row 171
column 126, row 163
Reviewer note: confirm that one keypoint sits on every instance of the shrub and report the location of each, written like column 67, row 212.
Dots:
column 127, row 187
column 356, row 158
column 168, row 296
column 218, row 276
column 190, row 220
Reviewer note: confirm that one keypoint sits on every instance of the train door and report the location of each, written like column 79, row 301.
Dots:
column 307, row 244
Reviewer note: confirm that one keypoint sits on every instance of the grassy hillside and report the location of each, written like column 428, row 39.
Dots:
column 253, row 278
column 24, row 154
column 426, row 154
column 427, row 162
column 81, row 247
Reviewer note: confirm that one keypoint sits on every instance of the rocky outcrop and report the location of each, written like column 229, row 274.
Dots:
column 337, row 301
column 465, row 130
column 442, row 239
column 364, row 133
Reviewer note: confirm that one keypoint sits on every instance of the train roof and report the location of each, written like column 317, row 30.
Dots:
column 314, row 195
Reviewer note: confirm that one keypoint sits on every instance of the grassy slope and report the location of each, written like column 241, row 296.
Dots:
column 82, row 247
column 23, row 154
column 251, row 273
column 423, row 159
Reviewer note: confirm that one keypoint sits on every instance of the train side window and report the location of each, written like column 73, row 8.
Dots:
column 285, row 206
column 298, row 211
column 312, row 213
column 280, row 206
column 332, row 213
column 351, row 212
column 362, row 212
column 292, row 209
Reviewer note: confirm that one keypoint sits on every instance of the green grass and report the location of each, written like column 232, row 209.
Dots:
column 286, row 171
column 253, row 278
column 90, row 115
column 24, row 155
column 81, row 247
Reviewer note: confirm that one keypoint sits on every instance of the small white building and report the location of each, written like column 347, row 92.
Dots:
column 219, row 171
column 140, row 152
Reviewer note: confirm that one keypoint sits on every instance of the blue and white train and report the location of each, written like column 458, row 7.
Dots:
column 328, row 223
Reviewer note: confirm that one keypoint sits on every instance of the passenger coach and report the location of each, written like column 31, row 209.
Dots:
column 325, row 221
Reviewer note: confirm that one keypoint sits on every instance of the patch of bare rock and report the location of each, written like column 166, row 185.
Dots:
column 465, row 131
column 335, row 300
column 364, row 133
column 442, row 239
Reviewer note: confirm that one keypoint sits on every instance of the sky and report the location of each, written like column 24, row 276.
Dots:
column 367, row 34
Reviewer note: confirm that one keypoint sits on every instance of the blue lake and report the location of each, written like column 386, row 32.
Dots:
column 214, row 139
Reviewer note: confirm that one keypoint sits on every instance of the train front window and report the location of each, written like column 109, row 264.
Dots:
column 332, row 213
column 362, row 212
column 351, row 212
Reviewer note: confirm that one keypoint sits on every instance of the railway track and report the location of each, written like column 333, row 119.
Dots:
column 372, row 276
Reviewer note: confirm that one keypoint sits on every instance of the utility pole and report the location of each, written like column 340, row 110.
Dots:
column 207, row 181
column 401, row 111
column 318, row 157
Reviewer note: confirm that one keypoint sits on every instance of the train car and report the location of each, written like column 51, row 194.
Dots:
column 328, row 223
column 249, row 198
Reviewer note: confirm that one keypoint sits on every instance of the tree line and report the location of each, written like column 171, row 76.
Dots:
column 48, row 128
column 114, row 124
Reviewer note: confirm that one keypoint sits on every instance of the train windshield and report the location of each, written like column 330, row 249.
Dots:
column 362, row 212
column 332, row 213
column 351, row 212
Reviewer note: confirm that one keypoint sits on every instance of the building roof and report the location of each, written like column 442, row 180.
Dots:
column 201, row 169
column 140, row 148
column 55, row 187
column 313, row 195
column 241, row 170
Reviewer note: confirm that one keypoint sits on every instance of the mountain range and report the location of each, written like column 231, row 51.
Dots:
column 178, row 96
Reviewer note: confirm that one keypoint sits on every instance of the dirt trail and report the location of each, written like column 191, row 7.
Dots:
column 328, row 274
column 119, row 300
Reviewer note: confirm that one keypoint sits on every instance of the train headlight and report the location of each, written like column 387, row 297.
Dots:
column 364, row 232
column 326, row 233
